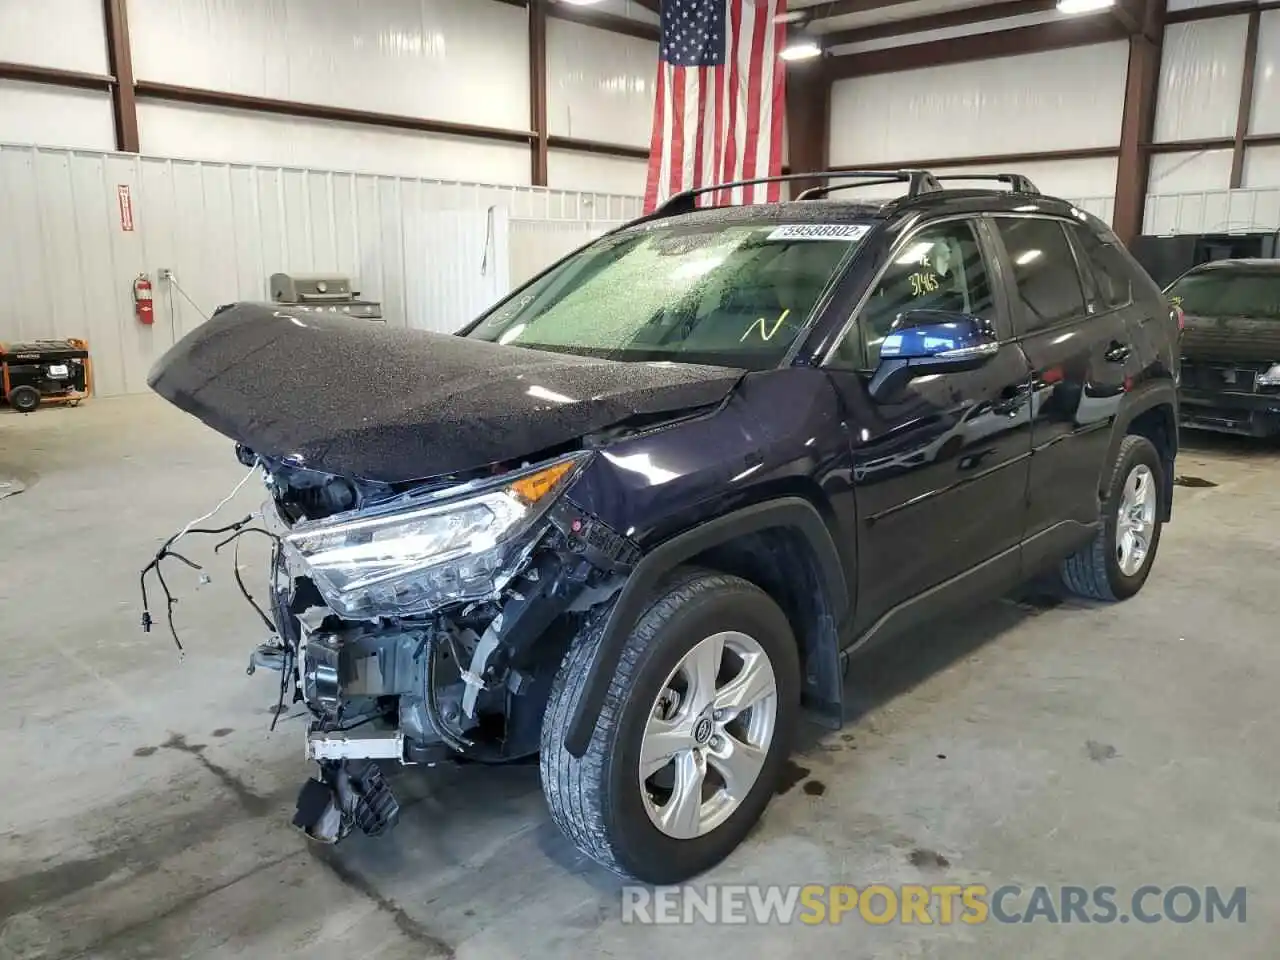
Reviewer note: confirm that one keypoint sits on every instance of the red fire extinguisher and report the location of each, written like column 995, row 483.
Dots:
column 142, row 301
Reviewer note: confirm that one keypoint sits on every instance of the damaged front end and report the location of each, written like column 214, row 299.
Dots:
column 425, row 624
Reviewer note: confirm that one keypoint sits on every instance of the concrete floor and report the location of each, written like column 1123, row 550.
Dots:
column 145, row 805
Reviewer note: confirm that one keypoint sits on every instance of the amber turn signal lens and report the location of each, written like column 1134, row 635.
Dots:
column 529, row 490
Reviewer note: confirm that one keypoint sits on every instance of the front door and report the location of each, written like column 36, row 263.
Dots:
column 940, row 471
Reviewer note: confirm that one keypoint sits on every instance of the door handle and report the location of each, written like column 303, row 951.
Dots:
column 1117, row 352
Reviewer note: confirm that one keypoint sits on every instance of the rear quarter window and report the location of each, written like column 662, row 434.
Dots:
column 1112, row 275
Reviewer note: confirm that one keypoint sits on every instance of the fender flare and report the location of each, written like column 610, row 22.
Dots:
column 792, row 512
column 1152, row 394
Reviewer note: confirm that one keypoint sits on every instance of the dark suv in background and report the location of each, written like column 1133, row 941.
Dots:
column 641, row 512
column 1231, row 346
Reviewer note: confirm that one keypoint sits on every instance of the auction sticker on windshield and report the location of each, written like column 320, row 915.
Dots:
column 851, row 232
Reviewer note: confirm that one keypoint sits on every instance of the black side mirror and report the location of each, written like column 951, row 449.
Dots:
column 930, row 342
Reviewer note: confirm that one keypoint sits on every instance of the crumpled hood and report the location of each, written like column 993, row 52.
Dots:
column 365, row 400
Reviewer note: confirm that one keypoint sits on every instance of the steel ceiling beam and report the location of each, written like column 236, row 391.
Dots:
column 30, row 73
column 937, row 21
column 842, row 8
column 808, row 119
column 1245, row 111
column 538, row 90
column 1038, row 38
column 124, row 107
column 1133, row 168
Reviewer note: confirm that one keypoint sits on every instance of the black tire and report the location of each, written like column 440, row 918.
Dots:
column 24, row 399
column 1094, row 570
column 596, row 800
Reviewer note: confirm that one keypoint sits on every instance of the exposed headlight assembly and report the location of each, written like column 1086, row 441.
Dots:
column 417, row 554
column 1270, row 377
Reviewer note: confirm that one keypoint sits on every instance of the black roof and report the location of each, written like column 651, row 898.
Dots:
column 1255, row 264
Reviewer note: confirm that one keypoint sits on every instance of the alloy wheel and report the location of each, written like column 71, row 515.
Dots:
column 708, row 734
column 1136, row 519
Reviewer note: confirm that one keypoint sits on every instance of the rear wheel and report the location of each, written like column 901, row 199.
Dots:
column 1116, row 564
column 24, row 399
column 691, row 740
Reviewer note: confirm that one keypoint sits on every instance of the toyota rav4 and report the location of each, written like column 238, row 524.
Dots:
column 636, row 518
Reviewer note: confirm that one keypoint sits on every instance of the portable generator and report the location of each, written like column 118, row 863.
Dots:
column 44, row 371
column 323, row 293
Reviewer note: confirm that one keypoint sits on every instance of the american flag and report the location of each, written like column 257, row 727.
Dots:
column 719, row 105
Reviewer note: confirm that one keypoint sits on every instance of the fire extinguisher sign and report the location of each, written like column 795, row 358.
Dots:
column 126, row 207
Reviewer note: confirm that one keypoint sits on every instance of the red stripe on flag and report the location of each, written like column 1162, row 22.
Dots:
column 779, row 98
column 756, row 69
column 731, row 90
column 652, row 187
column 703, row 132
column 677, row 132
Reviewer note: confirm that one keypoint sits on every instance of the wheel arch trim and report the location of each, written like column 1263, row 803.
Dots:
column 788, row 512
column 1147, row 397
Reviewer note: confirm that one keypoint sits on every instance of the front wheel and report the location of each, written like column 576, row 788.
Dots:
column 24, row 399
column 692, row 737
column 1116, row 564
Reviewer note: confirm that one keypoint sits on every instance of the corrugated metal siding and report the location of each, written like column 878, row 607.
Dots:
column 68, row 268
column 1213, row 211
column 535, row 244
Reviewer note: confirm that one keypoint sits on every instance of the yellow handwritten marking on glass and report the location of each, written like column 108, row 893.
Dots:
column 922, row 283
column 766, row 332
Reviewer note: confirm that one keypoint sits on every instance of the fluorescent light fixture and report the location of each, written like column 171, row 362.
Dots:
column 914, row 253
column 579, row 3
column 1026, row 257
column 801, row 48
column 1084, row 6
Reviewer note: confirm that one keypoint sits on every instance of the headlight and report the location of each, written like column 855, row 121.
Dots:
column 413, row 556
column 1270, row 378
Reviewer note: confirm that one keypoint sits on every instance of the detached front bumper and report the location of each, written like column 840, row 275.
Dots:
column 1226, row 411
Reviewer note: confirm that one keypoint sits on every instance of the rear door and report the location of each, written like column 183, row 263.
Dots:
column 1070, row 320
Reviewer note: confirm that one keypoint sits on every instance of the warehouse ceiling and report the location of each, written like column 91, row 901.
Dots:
column 832, row 15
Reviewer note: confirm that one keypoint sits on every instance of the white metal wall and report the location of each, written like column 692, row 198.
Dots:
column 454, row 60
column 209, row 133
column 65, row 35
column 1200, row 68
column 67, row 265
column 600, row 84
column 1201, row 72
column 460, row 60
column 536, row 244
column 1213, row 211
column 1011, row 105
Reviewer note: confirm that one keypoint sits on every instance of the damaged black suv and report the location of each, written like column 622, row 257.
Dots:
column 637, row 516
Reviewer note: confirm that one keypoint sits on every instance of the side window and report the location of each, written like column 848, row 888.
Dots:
column 1110, row 270
column 1044, row 270
column 940, row 268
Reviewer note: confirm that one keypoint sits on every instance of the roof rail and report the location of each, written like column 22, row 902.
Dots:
column 918, row 181
column 1017, row 182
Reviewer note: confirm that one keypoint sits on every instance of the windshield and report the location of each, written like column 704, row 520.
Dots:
column 1229, row 293
column 730, row 295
